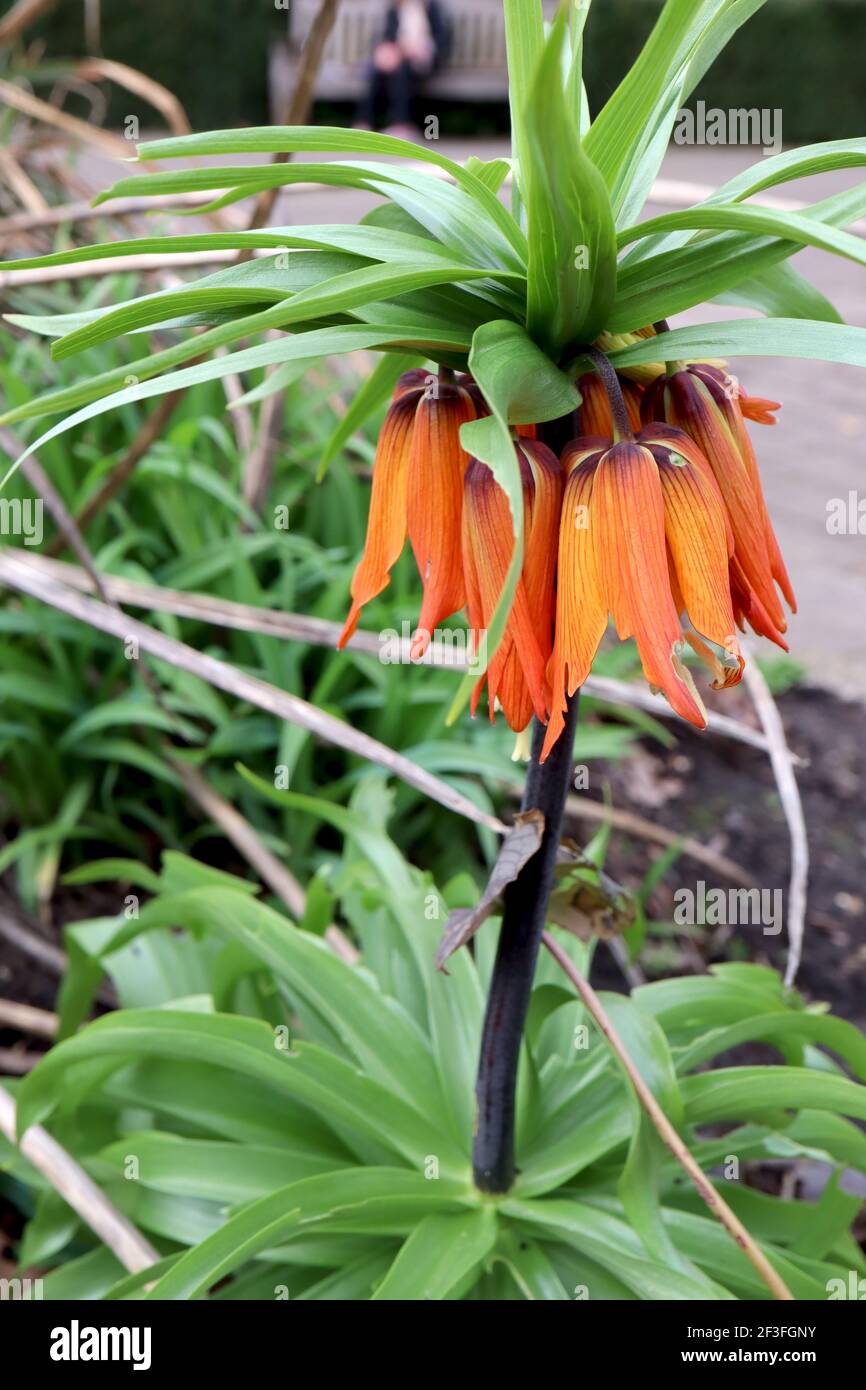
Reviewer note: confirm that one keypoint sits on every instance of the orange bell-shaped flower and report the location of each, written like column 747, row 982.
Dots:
column 516, row 677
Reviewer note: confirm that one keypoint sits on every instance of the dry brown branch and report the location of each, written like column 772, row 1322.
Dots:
column 14, row 1062
column 631, row 824
column 26, row 1019
column 48, row 274
column 26, row 939
column 782, row 761
column 318, row 632
column 43, row 486
column 86, row 212
column 641, row 697
column 159, row 97
column 301, row 102
column 20, row 17
column 68, row 1178
column 26, row 936
column 714, row 1200
column 279, row 703
column 20, row 100
column 123, row 469
column 258, row 469
column 21, row 183
column 239, row 415
column 233, row 825
column 246, row 839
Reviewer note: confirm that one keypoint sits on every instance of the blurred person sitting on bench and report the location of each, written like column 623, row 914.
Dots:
column 415, row 41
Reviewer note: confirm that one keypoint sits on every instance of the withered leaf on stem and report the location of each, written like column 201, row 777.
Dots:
column 585, row 900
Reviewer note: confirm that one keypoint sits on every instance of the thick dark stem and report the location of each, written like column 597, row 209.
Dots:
column 621, row 422
column 523, row 919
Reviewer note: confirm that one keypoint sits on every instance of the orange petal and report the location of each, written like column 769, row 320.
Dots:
column 728, row 395
column 755, row 408
column 692, row 407
column 777, row 564
column 437, row 462
column 581, row 610
column 516, row 675
column 628, row 512
column 758, row 409
column 386, row 524
column 697, row 538
column 749, row 609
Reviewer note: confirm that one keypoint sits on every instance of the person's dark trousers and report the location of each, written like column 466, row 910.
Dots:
column 394, row 90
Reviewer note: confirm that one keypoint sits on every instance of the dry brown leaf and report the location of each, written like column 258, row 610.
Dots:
column 518, row 847
column 585, row 900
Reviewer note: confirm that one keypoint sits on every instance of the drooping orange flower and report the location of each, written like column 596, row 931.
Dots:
column 417, row 487
column 516, row 676
column 667, row 533
column 437, row 463
column 644, row 538
column 386, row 523
column 705, row 402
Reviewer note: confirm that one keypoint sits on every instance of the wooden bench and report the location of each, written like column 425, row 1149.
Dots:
column 475, row 70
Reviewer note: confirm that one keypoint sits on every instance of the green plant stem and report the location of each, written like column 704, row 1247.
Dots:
column 523, row 919
column 622, row 429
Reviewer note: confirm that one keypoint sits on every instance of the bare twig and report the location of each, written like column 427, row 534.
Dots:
column 42, row 275
column 42, row 484
column 641, row 697
column 258, row 692
column 714, row 1200
column 26, row 939
column 20, row 17
column 258, row 469
column 86, row 212
column 583, row 809
column 68, row 1178
column 301, row 102
column 318, row 632
column 789, row 793
column 16, row 1063
column 29, row 105
column 123, row 469
column 239, row 415
column 233, row 825
column 159, row 97
column 250, row 844
column 25, row 936
column 21, row 183
column 26, row 1019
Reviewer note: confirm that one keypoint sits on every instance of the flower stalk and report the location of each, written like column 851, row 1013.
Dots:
column 622, row 429
column 523, row 920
